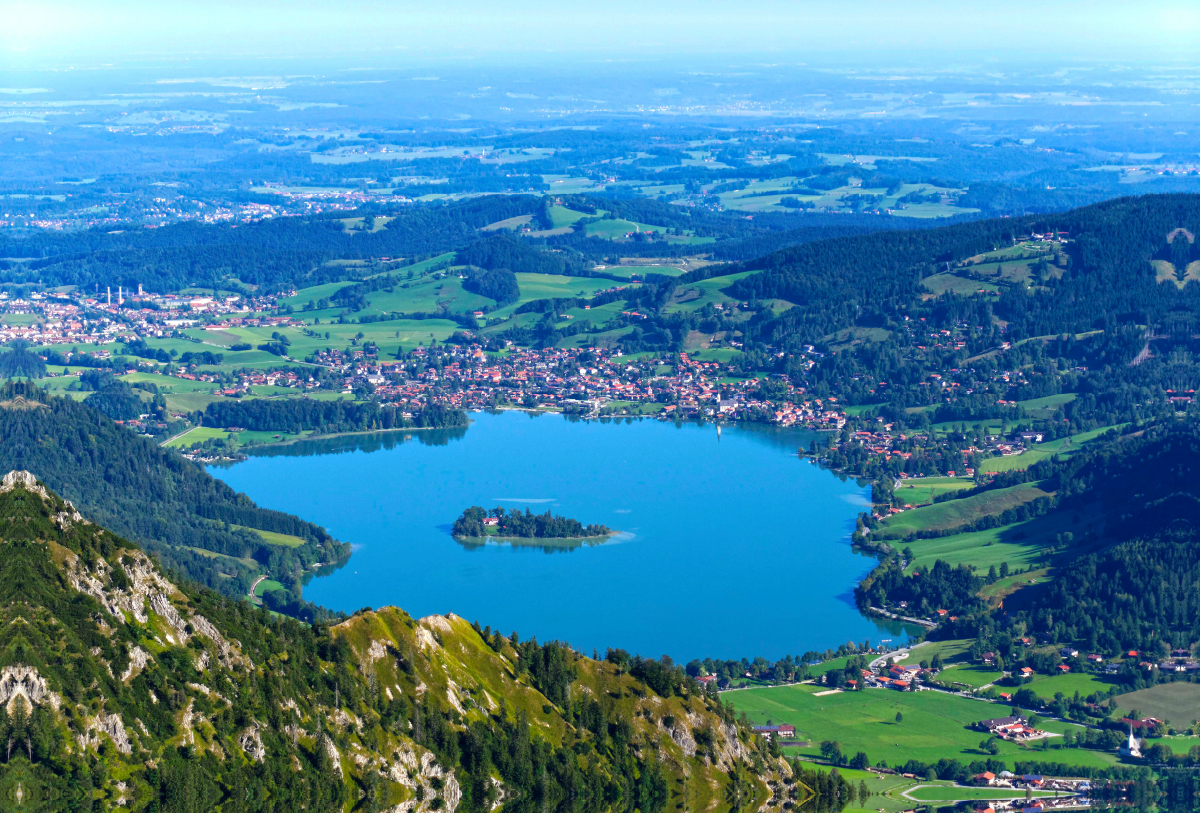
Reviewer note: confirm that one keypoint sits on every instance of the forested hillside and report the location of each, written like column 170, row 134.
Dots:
column 325, row 417
column 121, row 689
column 166, row 503
column 876, row 279
column 283, row 251
column 1124, row 578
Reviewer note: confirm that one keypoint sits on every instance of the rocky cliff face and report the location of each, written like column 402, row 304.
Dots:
column 121, row 688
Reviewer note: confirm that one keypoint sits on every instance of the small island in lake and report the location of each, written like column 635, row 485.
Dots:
column 480, row 524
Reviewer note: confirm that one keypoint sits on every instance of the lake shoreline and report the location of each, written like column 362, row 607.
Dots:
column 293, row 441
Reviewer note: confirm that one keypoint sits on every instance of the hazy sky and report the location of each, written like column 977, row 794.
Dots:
column 78, row 32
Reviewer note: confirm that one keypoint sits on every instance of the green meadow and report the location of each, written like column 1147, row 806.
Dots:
column 934, row 725
column 920, row 490
column 197, row 436
column 627, row 271
column 1041, row 451
column 552, row 286
column 1177, row 702
column 953, row 513
column 695, row 295
column 561, row 216
column 617, row 229
column 1046, row 686
column 265, row 586
column 972, row 675
column 1021, row 544
column 939, row 284
column 273, row 538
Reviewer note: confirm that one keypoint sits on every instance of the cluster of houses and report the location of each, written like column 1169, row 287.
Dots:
column 582, row 379
column 108, row 316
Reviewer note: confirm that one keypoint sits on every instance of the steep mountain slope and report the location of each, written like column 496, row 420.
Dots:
column 120, row 688
column 169, row 505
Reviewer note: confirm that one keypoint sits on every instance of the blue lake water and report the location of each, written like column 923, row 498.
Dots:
column 731, row 545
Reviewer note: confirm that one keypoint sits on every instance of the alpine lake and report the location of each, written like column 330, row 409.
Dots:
column 728, row 544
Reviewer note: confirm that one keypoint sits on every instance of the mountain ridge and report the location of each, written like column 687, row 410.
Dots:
column 119, row 687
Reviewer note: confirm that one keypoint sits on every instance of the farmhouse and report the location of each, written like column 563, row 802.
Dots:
column 781, row 731
column 1001, row 723
column 1015, row 728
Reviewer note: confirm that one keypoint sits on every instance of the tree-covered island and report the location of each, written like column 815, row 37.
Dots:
column 476, row 523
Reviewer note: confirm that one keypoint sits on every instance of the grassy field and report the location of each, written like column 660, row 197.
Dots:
column 597, row 315
column 388, row 335
column 952, row 651
column 197, row 435
column 273, row 538
column 924, row 489
column 617, row 229
column 1021, row 544
column 854, row 336
column 934, row 724
column 1045, row 407
column 190, row 402
column 561, row 216
column 510, row 224
column 247, row 561
column 939, row 284
column 305, row 296
column 1177, row 702
column 957, row 512
column 425, row 295
column 1040, row 451
column 167, row 384
column 265, row 586
column 627, row 271
column 693, row 297
column 256, row 438
column 552, row 286
column 1046, row 686
column 972, row 675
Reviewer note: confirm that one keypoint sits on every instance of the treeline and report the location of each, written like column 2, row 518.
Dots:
column 499, row 284
column 527, row 525
column 296, row 415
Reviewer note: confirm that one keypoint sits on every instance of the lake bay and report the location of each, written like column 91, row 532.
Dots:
column 730, row 544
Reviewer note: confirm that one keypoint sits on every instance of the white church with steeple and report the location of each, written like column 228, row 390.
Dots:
column 1133, row 748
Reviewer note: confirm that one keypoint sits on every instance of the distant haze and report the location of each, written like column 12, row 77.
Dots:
column 84, row 33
